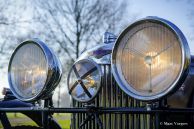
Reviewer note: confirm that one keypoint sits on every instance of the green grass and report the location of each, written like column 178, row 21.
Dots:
column 65, row 124
column 20, row 119
column 12, row 115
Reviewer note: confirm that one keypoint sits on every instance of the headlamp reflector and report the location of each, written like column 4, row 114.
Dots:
column 149, row 58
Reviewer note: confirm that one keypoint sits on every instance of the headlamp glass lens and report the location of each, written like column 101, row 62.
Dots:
column 84, row 80
column 28, row 70
column 149, row 58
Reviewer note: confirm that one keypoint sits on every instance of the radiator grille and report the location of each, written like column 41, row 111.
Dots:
column 112, row 96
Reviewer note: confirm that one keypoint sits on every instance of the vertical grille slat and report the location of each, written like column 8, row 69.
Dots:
column 111, row 95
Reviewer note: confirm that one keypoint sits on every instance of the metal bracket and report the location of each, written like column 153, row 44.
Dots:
column 4, row 120
column 46, row 117
column 109, row 38
column 91, row 115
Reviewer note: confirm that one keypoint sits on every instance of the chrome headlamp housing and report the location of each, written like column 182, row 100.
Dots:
column 84, row 80
column 150, row 59
column 34, row 71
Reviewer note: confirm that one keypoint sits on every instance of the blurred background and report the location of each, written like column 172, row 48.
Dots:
column 70, row 27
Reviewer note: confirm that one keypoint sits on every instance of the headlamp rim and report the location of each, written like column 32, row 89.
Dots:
column 46, row 52
column 100, row 85
column 184, row 66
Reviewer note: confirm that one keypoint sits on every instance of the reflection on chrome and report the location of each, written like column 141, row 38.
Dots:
column 84, row 80
column 31, row 67
column 149, row 58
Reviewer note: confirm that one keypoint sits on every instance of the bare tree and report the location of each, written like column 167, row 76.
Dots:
column 11, row 24
column 71, row 26
column 77, row 24
column 68, row 26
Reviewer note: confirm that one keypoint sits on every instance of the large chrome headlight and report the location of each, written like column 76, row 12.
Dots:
column 34, row 71
column 150, row 59
column 84, row 80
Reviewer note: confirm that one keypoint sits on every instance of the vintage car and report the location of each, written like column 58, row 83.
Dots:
column 142, row 79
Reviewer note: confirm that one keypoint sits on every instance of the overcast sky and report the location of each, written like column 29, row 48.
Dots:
column 176, row 11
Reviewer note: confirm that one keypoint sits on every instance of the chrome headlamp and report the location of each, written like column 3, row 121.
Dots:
column 84, row 80
column 34, row 71
column 150, row 59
